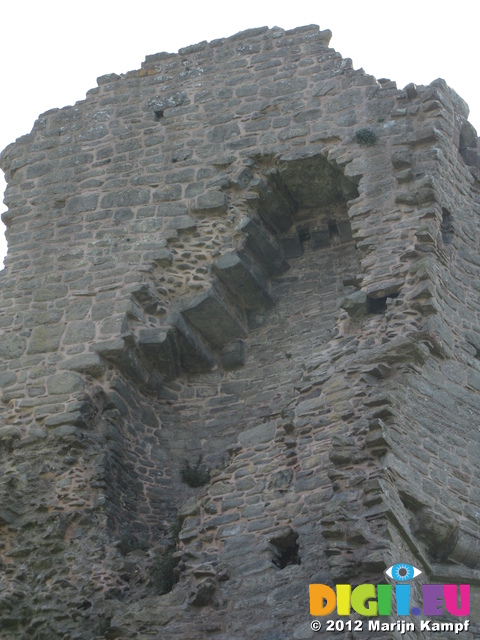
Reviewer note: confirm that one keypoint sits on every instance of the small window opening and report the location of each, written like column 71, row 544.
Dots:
column 158, row 114
column 447, row 227
column 379, row 305
column 304, row 234
column 285, row 549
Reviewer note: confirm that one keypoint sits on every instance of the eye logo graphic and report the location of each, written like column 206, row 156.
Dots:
column 376, row 600
column 402, row 572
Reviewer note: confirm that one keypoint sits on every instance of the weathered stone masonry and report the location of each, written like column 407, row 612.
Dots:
column 251, row 252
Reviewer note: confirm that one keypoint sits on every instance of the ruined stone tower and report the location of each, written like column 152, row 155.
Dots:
column 254, row 264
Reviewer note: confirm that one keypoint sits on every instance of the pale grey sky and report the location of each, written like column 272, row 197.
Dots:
column 53, row 51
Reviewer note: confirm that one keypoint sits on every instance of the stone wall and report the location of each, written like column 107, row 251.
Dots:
column 250, row 257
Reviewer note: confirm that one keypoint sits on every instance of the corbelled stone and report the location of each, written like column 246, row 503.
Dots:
column 244, row 278
column 214, row 318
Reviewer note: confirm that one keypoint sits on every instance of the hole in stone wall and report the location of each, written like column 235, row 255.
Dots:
column 158, row 114
column 447, row 226
column 319, row 234
column 379, row 305
column 303, row 234
column 285, row 549
column 303, row 202
column 333, row 233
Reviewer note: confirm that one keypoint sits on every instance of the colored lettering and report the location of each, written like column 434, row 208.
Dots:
column 322, row 600
column 433, row 599
column 450, row 596
column 384, row 593
column 343, row 599
column 402, row 592
column 361, row 595
column 376, row 600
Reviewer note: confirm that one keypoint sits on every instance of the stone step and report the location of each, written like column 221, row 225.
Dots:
column 125, row 353
column 244, row 279
column 195, row 354
column 214, row 318
column 161, row 346
column 263, row 247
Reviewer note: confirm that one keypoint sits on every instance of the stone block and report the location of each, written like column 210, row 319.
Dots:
column 263, row 247
column 344, row 230
column 161, row 257
column 45, row 339
column 79, row 332
column 217, row 321
column 173, row 192
column 10, row 432
column 170, row 209
column 223, row 132
column 180, row 223
column 39, row 169
column 107, row 78
column 110, row 349
column 12, row 346
column 79, row 204
column 75, row 418
column 355, row 303
column 233, row 355
column 7, row 379
column 68, row 433
column 244, row 279
column 203, row 594
column 189, row 508
column 114, row 325
column 64, row 383
column 130, row 363
column 195, row 354
column 292, row 246
column 126, row 198
column 320, row 238
column 211, row 202
column 170, row 101
column 276, row 205
column 283, row 88
column 93, row 133
column 146, row 295
column 161, row 346
column 86, row 363
column 257, row 435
